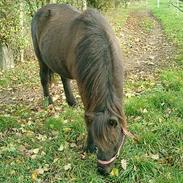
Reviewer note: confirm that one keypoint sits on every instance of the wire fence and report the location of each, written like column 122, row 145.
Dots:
column 177, row 4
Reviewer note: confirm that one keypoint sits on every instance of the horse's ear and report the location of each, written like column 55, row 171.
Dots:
column 113, row 121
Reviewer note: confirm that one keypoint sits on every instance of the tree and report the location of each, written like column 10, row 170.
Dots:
column 6, row 57
column 100, row 4
column 8, row 34
column 84, row 4
column 21, row 18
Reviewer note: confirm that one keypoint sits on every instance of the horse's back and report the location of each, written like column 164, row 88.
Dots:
column 54, row 12
column 49, row 29
column 53, row 16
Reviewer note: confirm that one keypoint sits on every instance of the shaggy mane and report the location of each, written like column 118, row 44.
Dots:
column 95, row 57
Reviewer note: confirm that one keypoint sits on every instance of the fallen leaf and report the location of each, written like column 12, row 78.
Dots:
column 41, row 137
column 73, row 145
column 135, row 168
column 67, row 130
column 34, row 156
column 83, row 156
column 40, row 171
column 145, row 111
column 46, row 167
column 123, row 164
column 154, row 156
column 34, row 176
column 36, row 173
column 55, row 160
column 35, row 151
column 55, row 97
column 61, row 148
column 43, row 153
column 65, row 121
column 114, row 172
column 29, row 123
column 67, row 167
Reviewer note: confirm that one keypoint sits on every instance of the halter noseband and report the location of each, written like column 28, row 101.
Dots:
column 103, row 162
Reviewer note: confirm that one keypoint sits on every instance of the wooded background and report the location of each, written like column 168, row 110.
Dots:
column 15, row 20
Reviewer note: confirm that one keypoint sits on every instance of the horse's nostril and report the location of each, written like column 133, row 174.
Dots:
column 102, row 171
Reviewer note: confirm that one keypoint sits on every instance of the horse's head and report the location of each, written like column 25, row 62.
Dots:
column 108, row 137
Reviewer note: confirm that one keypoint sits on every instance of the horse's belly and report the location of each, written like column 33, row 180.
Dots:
column 57, row 65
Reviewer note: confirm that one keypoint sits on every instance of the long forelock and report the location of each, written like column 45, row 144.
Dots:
column 102, row 131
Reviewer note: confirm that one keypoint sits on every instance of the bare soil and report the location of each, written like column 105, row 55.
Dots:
column 145, row 45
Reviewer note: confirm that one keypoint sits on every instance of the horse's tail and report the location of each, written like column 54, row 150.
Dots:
column 40, row 20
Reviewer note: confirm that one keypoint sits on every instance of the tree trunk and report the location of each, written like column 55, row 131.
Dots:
column 51, row 1
column 21, row 28
column 116, row 3
column 84, row 5
column 6, row 58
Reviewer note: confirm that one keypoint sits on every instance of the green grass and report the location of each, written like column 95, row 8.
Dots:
column 36, row 145
column 170, row 20
column 23, row 75
column 7, row 122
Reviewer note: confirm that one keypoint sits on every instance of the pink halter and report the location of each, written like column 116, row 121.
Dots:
column 103, row 162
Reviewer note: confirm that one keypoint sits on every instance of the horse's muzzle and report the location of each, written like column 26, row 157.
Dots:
column 104, row 163
column 104, row 169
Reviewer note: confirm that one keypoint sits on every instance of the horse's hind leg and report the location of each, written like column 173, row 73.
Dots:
column 45, row 79
column 68, row 92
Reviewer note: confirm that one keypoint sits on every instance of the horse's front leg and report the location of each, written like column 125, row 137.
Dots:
column 68, row 92
column 90, row 146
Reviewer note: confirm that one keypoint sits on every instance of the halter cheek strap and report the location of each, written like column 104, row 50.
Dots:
column 103, row 162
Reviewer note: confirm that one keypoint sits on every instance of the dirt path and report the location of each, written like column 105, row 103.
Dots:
column 145, row 47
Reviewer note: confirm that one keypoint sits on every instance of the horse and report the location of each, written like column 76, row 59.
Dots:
column 82, row 46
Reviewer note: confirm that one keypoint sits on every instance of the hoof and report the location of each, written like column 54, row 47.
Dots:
column 47, row 101
column 72, row 103
column 50, row 101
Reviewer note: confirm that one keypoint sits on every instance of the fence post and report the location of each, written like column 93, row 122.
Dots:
column 177, row 6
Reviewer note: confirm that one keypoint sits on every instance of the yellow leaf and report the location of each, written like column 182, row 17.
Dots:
column 67, row 130
column 34, row 176
column 37, row 172
column 114, row 172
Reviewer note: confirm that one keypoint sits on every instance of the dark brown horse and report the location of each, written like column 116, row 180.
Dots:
column 82, row 46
